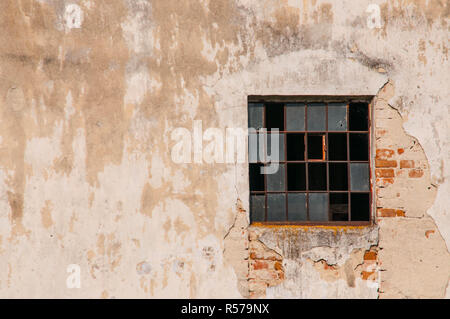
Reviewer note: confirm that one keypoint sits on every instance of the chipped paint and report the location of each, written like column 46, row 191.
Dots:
column 90, row 92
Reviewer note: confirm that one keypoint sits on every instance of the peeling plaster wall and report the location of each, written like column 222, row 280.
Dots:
column 90, row 92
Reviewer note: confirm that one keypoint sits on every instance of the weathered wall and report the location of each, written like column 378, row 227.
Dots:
column 90, row 92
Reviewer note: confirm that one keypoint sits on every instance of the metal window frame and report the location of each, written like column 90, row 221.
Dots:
column 326, row 100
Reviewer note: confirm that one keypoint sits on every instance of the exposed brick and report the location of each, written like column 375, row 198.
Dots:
column 370, row 255
column 384, row 172
column 384, row 153
column 406, row 164
column 274, row 258
column 386, row 212
column 385, row 163
column 400, row 213
column 253, row 255
column 278, row 266
column 384, row 181
column 428, row 232
column 389, row 212
column 400, row 150
column 260, row 265
column 366, row 274
column 416, row 173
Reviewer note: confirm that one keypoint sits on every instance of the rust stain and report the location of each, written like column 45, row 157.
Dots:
column 46, row 214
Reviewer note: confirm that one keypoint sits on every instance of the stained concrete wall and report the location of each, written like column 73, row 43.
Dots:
column 91, row 91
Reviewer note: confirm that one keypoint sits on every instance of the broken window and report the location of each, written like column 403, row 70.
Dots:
column 323, row 161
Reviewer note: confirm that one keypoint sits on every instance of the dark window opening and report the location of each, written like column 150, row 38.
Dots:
column 323, row 171
column 316, row 147
column 274, row 116
column 295, row 147
column 317, row 176
column 337, row 146
column 297, row 174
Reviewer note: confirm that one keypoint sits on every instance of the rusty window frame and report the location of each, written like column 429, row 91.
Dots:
column 325, row 100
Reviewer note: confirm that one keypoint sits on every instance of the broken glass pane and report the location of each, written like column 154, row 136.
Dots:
column 257, row 208
column 337, row 117
column 297, row 207
column 295, row 147
column 275, row 116
column 359, row 176
column 337, row 146
column 338, row 176
column 316, row 147
column 295, row 117
column 318, row 206
column 339, row 206
column 296, row 176
column 317, row 176
column 316, row 117
column 359, row 147
column 276, row 207
column 360, row 206
column 359, row 116
column 256, row 178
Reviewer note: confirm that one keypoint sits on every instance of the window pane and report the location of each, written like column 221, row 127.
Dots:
column 317, row 176
column 359, row 147
column 338, row 176
column 318, row 206
column 297, row 207
column 276, row 207
column 256, row 178
column 359, row 176
column 255, row 154
column 339, row 206
column 295, row 117
column 360, row 206
column 359, row 116
column 296, row 177
column 255, row 115
column 316, row 117
column 257, row 208
column 271, row 155
column 275, row 116
column 337, row 146
column 295, row 147
column 276, row 181
column 337, row 117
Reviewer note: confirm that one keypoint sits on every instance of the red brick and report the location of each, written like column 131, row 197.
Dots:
column 400, row 150
column 384, row 153
column 366, row 274
column 406, row 164
column 400, row 213
column 428, row 232
column 389, row 212
column 385, row 163
column 274, row 258
column 384, row 172
column 385, row 181
column 416, row 173
column 386, row 212
column 278, row 266
column 370, row 255
column 260, row 265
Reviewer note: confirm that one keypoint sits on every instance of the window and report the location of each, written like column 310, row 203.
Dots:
column 323, row 161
